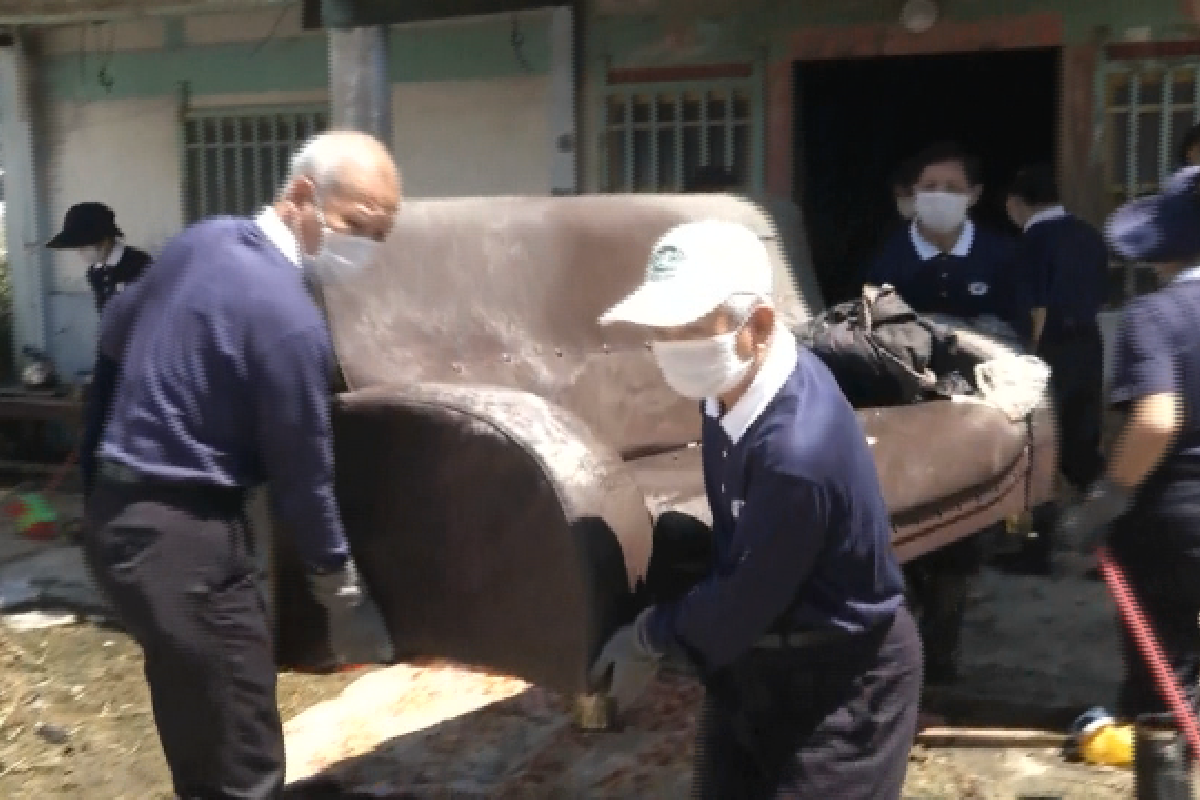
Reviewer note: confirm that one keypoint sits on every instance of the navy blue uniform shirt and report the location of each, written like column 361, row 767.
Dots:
column 217, row 372
column 124, row 266
column 977, row 277
column 799, row 520
column 1158, row 352
column 1066, row 268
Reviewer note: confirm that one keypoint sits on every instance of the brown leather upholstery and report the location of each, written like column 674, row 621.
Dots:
column 506, row 292
column 912, row 446
column 499, row 452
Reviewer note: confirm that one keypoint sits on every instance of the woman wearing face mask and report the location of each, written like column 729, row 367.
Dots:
column 90, row 229
column 809, row 657
column 944, row 263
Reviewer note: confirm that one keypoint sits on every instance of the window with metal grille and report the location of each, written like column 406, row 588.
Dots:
column 657, row 135
column 1149, row 108
column 235, row 159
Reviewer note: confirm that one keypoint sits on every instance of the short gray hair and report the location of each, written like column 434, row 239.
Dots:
column 740, row 306
column 324, row 158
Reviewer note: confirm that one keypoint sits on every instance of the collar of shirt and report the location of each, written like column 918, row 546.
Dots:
column 776, row 368
column 927, row 249
column 1045, row 215
column 118, row 252
column 279, row 235
column 1190, row 274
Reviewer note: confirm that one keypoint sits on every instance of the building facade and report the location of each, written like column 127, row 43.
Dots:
column 169, row 115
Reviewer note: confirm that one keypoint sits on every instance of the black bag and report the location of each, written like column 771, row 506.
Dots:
column 879, row 349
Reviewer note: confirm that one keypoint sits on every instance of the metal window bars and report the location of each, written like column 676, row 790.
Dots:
column 235, row 159
column 657, row 135
column 1149, row 107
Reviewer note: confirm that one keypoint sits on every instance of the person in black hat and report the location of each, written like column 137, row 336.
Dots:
column 91, row 230
column 1146, row 506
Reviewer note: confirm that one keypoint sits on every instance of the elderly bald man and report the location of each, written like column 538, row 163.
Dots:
column 213, row 377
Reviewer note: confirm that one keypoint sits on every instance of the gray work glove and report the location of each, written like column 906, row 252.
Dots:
column 356, row 630
column 1083, row 526
column 632, row 661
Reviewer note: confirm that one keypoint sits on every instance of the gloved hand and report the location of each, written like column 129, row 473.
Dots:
column 1083, row 526
column 631, row 659
column 356, row 630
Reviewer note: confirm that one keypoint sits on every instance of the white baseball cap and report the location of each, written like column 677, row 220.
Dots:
column 693, row 269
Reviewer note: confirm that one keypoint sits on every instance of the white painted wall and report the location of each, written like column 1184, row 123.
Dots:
column 474, row 137
column 481, row 137
column 124, row 153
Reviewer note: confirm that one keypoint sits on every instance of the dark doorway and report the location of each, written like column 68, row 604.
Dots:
column 858, row 119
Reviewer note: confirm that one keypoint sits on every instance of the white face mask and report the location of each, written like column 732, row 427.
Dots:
column 92, row 254
column 942, row 212
column 907, row 207
column 701, row 368
column 341, row 255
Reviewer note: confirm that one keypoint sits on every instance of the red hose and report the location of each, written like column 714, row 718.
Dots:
column 1147, row 642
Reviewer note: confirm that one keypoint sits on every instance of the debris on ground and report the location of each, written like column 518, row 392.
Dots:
column 75, row 719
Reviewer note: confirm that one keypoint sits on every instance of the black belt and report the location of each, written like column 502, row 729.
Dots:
column 231, row 499
column 799, row 639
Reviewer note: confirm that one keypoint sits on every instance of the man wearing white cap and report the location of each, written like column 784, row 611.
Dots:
column 810, row 659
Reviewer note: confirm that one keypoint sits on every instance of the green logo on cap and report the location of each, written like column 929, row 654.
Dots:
column 664, row 262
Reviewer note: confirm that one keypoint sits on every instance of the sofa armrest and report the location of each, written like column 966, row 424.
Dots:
column 491, row 526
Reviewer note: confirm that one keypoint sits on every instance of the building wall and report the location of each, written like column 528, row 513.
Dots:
column 774, row 35
column 472, row 115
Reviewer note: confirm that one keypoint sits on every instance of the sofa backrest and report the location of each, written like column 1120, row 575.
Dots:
column 506, row 292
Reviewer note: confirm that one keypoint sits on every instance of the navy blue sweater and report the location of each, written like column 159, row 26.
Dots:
column 983, row 278
column 802, row 532
column 1066, row 264
column 215, row 369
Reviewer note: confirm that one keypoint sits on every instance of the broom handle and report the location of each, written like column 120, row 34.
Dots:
column 1147, row 642
column 58, row 476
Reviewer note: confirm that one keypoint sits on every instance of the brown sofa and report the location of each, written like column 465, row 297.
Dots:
column 501, row 456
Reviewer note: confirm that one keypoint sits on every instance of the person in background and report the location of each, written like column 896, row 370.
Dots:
column 213, row 376
column 944, row 263
column 711, row 180
column 1066, row 264
column 810, row 659
column 1146, row 506
column 90, row 229
column 902, row 190
column 1189, row 148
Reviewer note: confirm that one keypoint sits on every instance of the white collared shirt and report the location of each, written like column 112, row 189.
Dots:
column 118, row 252
column 1045, row 215
column 279, row 235
column 1189, row 274
column 927, row 249
column 776, row 368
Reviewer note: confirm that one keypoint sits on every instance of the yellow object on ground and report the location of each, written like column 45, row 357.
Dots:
column 1107, row 744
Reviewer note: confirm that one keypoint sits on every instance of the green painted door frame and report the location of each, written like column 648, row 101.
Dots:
column 360, row 13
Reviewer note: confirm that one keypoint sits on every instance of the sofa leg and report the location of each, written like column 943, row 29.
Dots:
column 594, row 712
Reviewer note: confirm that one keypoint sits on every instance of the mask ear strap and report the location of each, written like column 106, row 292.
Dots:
column 317, row 203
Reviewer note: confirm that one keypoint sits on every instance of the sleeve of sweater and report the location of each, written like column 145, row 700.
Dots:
column 296, row 442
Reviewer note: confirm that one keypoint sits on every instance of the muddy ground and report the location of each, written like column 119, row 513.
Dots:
column 75, row 721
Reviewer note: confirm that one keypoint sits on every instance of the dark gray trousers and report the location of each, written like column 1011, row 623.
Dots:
column 177, row 565
column 831, row 721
